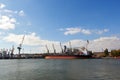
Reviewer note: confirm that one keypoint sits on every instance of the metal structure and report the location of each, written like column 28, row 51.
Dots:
column 47, row 48
column 54, row 48
column 87, row 44
column 61, row 47
column 12, row 51
column 20, row 46
column 70, row 47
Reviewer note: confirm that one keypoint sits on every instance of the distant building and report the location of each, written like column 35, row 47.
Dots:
column 99, row 54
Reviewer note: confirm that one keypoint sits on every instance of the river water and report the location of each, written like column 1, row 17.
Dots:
column 56, row 69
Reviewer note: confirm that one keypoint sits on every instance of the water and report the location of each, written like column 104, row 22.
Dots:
column 74, row 69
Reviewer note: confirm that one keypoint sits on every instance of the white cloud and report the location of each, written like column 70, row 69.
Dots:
column 77, row 43
column 30, row 39
column 21, row 13
column 8, row 17
column 97, row 45
column 7, row 22
column 105, row 42
column 106, row 38
column 94, row 45
column 72, row 31
column 2, row 5
column 85, row 31
column 8, row 11
column 106, row 30
column 101, row 31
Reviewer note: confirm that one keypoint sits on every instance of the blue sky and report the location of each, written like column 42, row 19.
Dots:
column 54, row 21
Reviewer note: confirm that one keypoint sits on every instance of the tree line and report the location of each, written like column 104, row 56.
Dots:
column 114, row 53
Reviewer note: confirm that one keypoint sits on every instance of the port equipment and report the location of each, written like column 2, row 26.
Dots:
column 20, row 46
column 54, row 48
column 47, row 48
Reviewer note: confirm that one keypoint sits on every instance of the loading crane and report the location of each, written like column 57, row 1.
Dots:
column 12, row 51
column 61, row 47
column 54, row 48
column 20, row 46
column 47, row 48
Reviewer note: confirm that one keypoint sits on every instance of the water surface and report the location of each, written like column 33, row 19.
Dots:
column 52, row 69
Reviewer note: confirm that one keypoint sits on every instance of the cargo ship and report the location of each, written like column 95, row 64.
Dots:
column 69, row 53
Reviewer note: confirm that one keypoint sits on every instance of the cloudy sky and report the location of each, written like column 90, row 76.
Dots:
column 47, row 22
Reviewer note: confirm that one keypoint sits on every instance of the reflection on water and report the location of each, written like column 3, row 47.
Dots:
column 75, row 69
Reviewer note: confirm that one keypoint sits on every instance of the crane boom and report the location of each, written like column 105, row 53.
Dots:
column 54, row 48
column 22, row 41
column 47, row 48
column 61, row 47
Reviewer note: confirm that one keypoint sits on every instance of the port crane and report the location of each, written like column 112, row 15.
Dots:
column 54, row 48
column 61, row 47
column 20, row 46
column 47, row 48
column 12, row 51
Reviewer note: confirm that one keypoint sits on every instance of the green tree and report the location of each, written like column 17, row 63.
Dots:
column 106, row 52
column 115, row 53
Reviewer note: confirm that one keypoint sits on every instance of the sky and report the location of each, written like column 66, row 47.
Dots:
column 48, row 22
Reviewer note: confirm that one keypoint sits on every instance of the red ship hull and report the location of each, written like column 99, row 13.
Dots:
column 67, row 57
